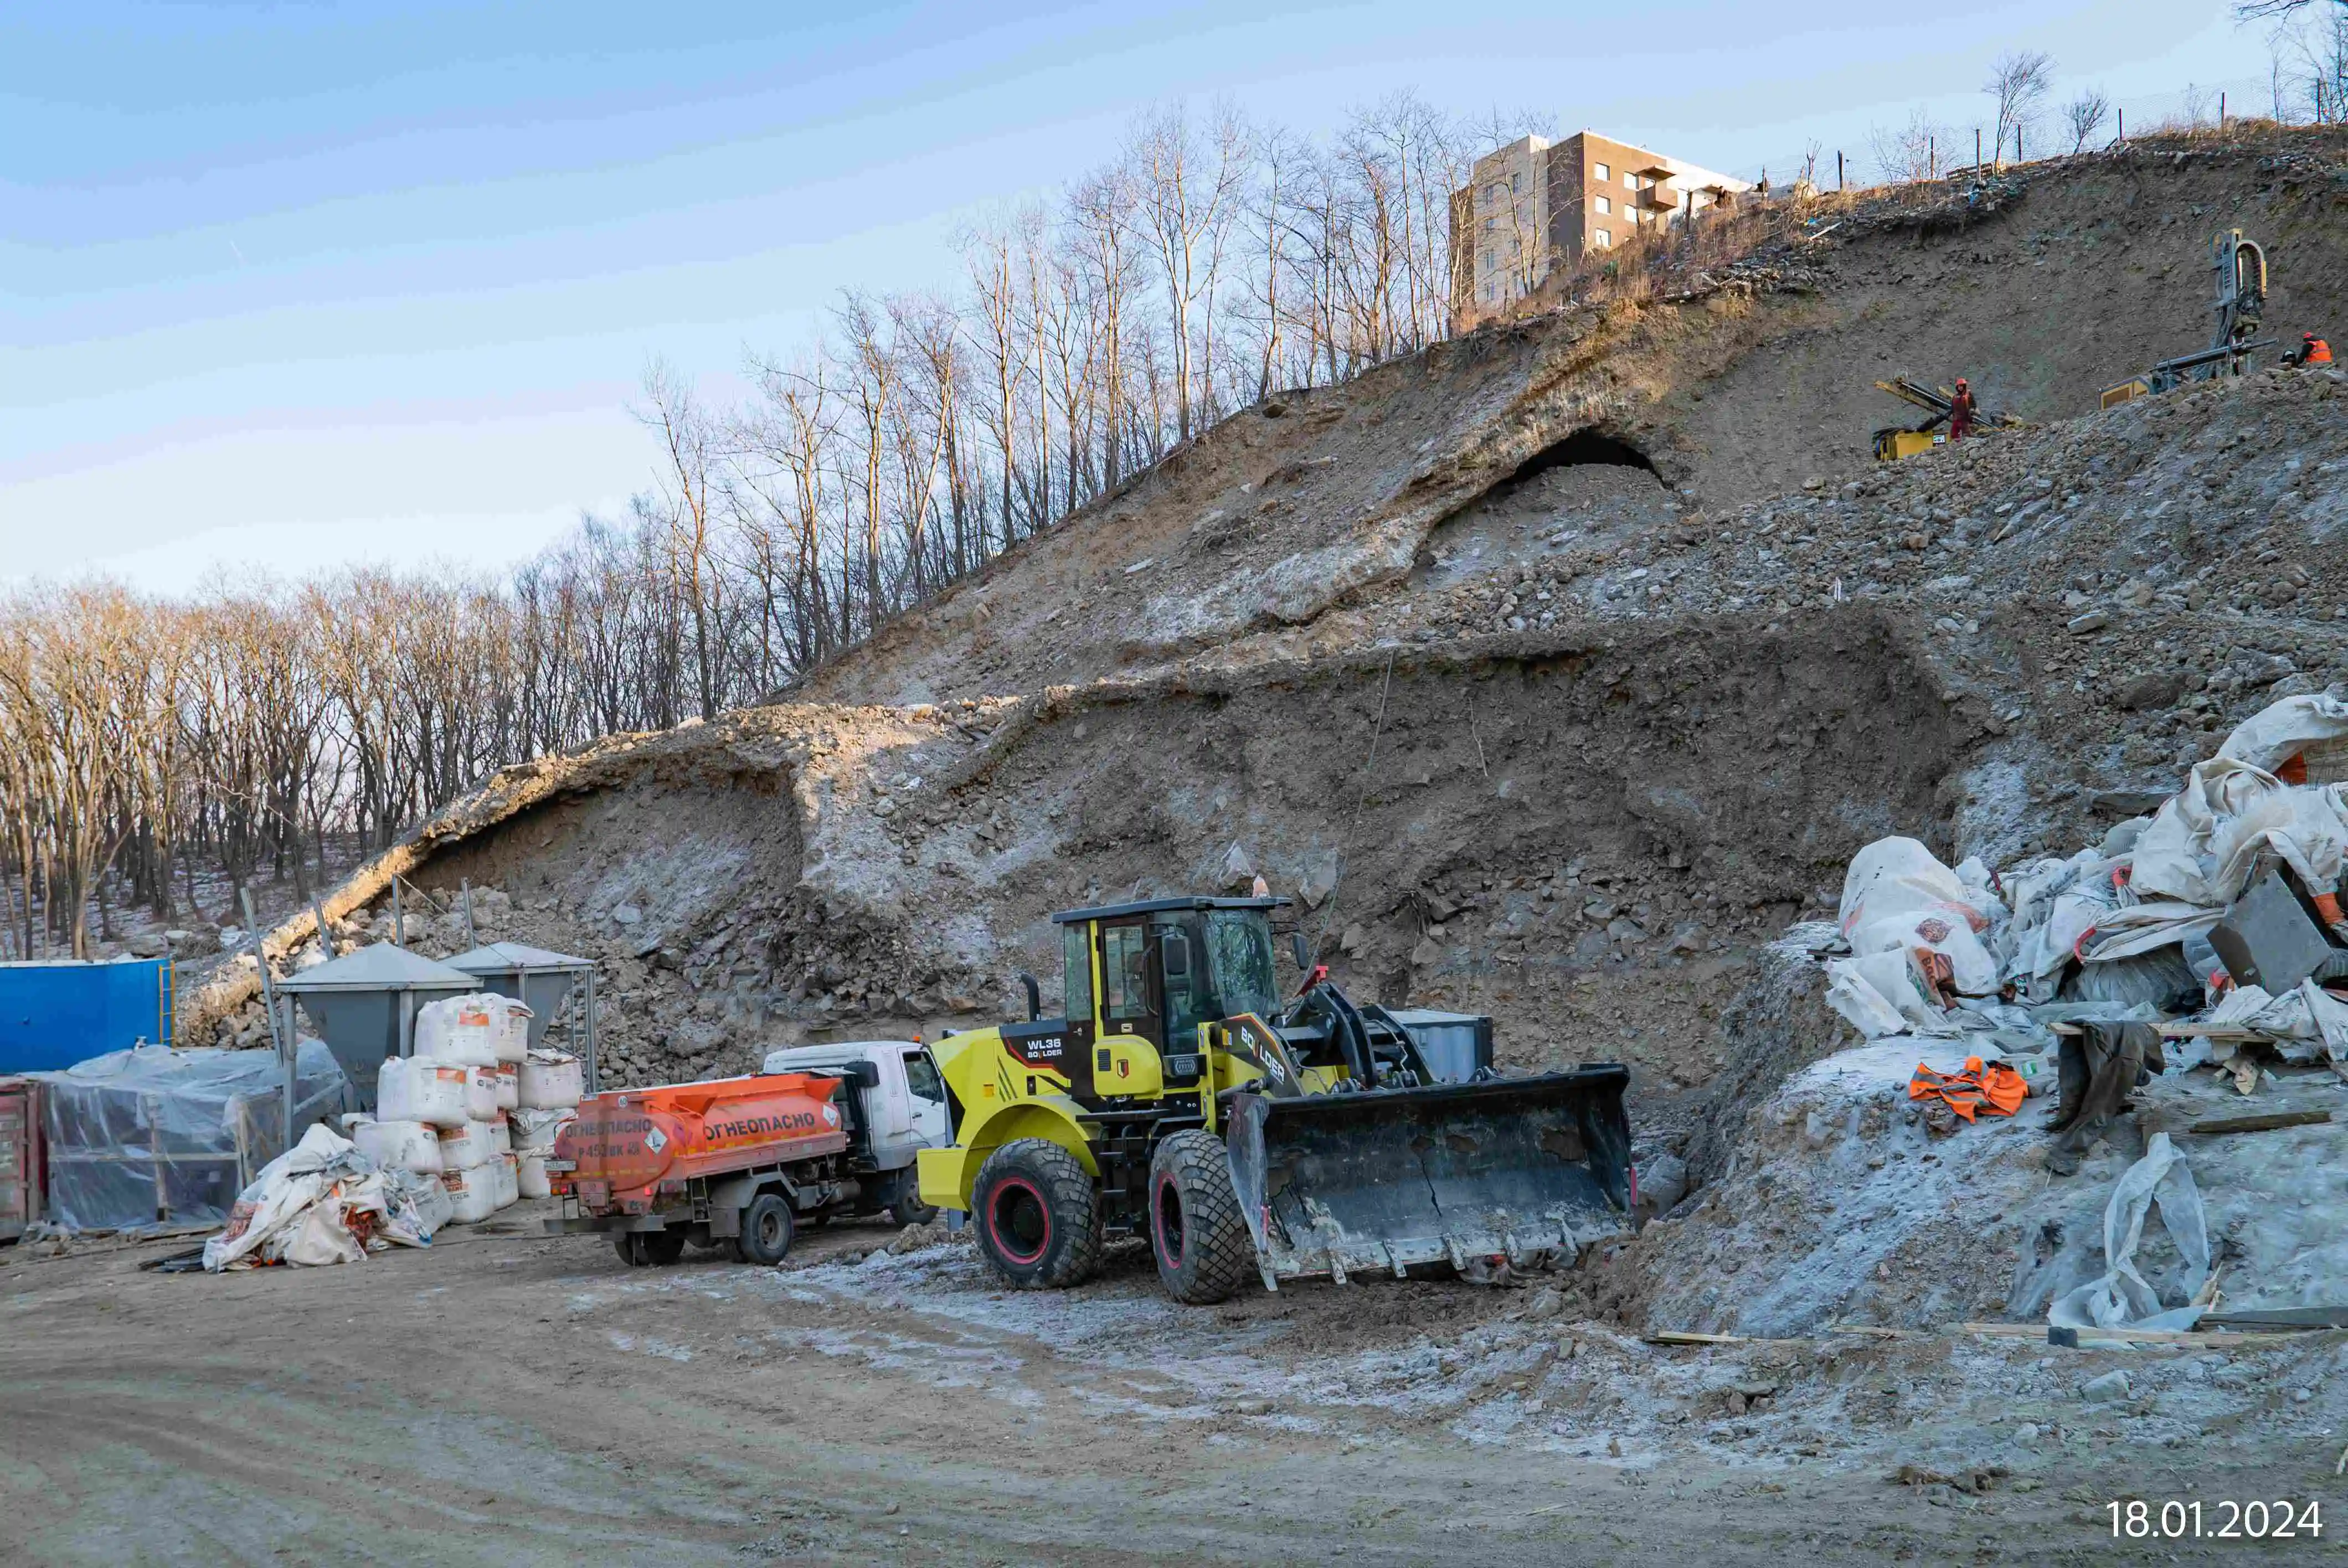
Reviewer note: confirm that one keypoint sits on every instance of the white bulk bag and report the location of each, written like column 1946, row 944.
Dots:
column 1896, row 897
column 508, row 1179
column 507, row 1085
column 481, row 1093
column 501, row 1133
column 529, row 1176
column 399, row 1145
column 460, row 1031
column 462, row 1148
column 513, row 1034
column 420, row 1090
column 534, row 1132
column 550, row 1081
column 472, row 1195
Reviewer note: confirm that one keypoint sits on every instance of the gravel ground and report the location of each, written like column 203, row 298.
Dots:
column 514, row 1399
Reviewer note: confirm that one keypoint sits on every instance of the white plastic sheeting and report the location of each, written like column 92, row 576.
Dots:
column 2278, row 731
column 320, row 1202
column 153, row 1136
column 2152, row 884
column 2121, row 1299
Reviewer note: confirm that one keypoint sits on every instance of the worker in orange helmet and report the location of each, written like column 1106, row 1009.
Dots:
column 1961, row 412
column 2313, row 350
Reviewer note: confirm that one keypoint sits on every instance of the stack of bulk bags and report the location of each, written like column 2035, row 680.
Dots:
column 550, row 1084
column 509, row 1039
column 466, row 1035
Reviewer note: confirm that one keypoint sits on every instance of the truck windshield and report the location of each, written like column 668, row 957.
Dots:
column 1239, row 948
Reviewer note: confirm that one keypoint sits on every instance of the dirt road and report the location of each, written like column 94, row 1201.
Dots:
column 515, row 1399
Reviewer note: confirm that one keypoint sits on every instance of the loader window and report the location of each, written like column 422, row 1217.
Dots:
column 1239, row 952
column 1180, row 959
column 1125, row 973
column 1076, row 987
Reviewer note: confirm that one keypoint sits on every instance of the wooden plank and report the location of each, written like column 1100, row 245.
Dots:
column 2271, row 1120
column 2191, row 1340
column 1686, row 1336
column 2297, row 1317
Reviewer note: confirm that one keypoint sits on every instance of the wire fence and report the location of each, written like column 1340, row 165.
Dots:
column 1935, row 145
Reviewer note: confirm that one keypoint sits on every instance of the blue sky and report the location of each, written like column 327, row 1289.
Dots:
column 286, row 287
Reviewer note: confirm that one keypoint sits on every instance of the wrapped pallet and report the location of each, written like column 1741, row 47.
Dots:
column 152, row 1136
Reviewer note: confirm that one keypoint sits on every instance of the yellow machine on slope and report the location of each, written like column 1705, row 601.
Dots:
column 1179, row 1100
column 1894, row 442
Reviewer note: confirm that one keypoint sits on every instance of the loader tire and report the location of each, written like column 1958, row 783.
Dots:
column 1196, row 1231
column 1037, row 1215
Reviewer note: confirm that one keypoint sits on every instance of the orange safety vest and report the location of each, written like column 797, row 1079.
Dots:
column 2318, row 353
column 1996, row 1088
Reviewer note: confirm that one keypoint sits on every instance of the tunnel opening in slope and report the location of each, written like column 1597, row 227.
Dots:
column 1588, row 480
column 1585, row 446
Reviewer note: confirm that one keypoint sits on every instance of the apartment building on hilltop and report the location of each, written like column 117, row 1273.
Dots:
column 1535, row 203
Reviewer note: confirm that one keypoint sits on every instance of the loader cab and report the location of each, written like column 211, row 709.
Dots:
column 1139, row 978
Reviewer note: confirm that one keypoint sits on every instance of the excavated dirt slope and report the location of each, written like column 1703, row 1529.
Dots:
column 2079, row 275
column 1553, row 671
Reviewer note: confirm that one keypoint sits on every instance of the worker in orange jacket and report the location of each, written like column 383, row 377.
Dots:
column 2313, row 350
column 1961, row 412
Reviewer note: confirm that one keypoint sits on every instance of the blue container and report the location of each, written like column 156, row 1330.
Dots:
column 54, row 1015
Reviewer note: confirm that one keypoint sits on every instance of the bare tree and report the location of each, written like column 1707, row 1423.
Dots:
column 1189, row 185
column 2019, row 82
column 2085, row 116
column 1908, row 153
column 680, row 507
column 168, row 752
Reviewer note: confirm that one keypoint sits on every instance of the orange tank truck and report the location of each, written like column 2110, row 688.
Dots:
column 736, row 1159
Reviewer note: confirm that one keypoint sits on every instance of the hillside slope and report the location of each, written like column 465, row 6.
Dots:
column 1538, row 702
column 2079, row 274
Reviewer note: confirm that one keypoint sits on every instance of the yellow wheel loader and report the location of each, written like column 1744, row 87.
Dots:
column 1183, row 1101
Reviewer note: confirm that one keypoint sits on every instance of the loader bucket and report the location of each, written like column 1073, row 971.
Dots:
column 1517, row 1167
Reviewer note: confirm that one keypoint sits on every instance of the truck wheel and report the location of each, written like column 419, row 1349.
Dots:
column 1038, row 1217
column 767, row 1228
column 1196, row 1232
column 644, row 1249
column 909, row 1209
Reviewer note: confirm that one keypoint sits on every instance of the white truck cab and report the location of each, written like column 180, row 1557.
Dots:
column 904, row 1108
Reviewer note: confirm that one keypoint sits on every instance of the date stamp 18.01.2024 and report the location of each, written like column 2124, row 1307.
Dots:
column 2215, row 1519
